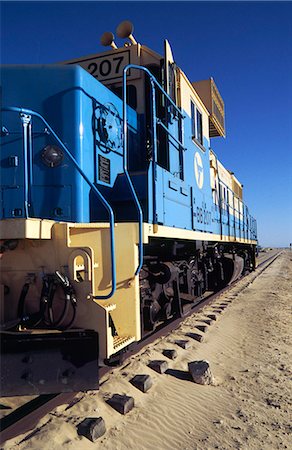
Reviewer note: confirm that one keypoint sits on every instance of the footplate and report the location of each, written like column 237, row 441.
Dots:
column 45, row 362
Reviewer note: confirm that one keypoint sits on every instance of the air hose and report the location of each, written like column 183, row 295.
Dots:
column 46, row 314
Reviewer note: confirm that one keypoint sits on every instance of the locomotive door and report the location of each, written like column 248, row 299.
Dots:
column 16, row 166
column 169, row 187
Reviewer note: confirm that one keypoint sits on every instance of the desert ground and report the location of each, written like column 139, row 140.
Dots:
column 247, row 407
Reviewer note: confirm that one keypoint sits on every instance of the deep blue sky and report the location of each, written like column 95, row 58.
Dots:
column 245, row 46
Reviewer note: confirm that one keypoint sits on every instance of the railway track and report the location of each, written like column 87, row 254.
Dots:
column 26, row 417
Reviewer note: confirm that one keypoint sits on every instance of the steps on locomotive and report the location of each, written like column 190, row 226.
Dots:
column 121, row 342
column 82, row 251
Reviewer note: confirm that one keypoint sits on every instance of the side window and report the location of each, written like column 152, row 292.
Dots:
column 230, row 198
column 199, row 127
column 215, row 193
column 197, row 124
column 215, row 196
column 172, row 82
column 224, row 198
column 193, row 113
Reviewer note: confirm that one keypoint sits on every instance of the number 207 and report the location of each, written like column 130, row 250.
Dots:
column 105, row 67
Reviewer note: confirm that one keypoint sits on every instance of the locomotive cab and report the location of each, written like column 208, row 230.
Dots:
column 108, row 68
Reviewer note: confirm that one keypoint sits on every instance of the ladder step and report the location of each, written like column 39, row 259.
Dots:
column 122, row 341
column 110, row 307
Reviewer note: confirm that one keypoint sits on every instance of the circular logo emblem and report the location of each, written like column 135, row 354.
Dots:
column 199, row 170
column 108, row 128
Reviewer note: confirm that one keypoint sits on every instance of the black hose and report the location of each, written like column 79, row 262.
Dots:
column 57, row 323
column 21, row 301
column 50, row 284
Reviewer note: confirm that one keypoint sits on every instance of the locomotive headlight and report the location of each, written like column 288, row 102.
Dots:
column 52, row 156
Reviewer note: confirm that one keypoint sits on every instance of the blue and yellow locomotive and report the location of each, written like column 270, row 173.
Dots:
column 116, row 215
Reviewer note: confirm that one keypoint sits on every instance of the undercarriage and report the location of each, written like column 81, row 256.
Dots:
column 176, row 274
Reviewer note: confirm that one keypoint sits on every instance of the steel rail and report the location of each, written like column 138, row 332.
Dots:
column 26, row 417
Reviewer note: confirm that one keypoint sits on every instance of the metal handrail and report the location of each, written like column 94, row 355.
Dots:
column 179, row 143
column 29, row 112
column 154, row 83
column 27, row 158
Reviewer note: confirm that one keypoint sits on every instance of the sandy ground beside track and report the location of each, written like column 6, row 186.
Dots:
column 249, row 406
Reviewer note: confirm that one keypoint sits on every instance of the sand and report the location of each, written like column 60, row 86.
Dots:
column 248, row 407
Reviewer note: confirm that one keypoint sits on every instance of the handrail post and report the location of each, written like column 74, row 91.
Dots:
column 128, row 178
column 154, row 150
column 26, row 125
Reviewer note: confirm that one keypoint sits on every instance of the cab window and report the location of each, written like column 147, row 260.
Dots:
column 197, row 124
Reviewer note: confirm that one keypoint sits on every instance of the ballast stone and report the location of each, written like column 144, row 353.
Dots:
column 92, row 428
column 142, row 382
column 202, row 328
column 158, row 366
column 207, row 321
column 121, row 403
column 183, row 343
column 201, row 372
column 169, row 353
column 196, row 336
column 222, row 307
column 218, row 311
column 212, row 316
